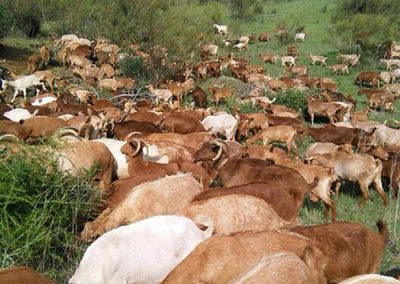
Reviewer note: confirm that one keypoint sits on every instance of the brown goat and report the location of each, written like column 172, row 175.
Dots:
column 351, row 248
column 13, row 128
column 122, row 129
column 22, row 275
column 264, row 37
column 278, row 133
column 181, row 123
column 199, row 97
column 245, row 171
column 221, row 93
column 369, row 77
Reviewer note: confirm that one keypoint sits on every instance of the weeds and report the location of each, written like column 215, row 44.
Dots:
column 291, row 99
column 42, row 210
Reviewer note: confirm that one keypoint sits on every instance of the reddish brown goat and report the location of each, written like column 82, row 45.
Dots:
column 369, row 77
column 145, row 116
column 214, row 68
column 199, row 97
column 13, row 128
column 245, row 171
column 122, row 129
column 181, row 123
column 280, row 120
column 22, row 275
column 351, row 248
column 336, row 135
column 239, row 72
column 42, row 126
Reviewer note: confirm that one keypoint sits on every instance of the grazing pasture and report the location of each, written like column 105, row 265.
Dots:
column 208, row 149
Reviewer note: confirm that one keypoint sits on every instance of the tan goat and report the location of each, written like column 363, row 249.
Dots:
column 234, row 213
column 282, row 133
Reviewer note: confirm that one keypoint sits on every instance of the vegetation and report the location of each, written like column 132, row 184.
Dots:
column 6, row 21
column 42, row 210
column 349, row 210
column 367, row 23
column 292, row 99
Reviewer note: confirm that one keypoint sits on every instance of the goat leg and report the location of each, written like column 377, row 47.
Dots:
column 15, row 95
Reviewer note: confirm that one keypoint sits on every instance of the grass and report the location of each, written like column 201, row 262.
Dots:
column 320, row 40
column 42, row 210
column 45, row 235
column 348, row 209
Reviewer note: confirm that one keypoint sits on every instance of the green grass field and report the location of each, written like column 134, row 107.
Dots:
column 315, row 16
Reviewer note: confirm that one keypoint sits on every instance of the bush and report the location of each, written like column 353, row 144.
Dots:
column 27, row 16
column 6, row 20
column 133, row 67
column 367, row 23
column 291, row 99
column 42, row 211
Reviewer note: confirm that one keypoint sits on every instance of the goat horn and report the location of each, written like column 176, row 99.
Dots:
column 112, row 125
column 9, row 138
column 67, row 130
column 222, row 147
column 138, row 146
column 69, row 136
column 131, row 134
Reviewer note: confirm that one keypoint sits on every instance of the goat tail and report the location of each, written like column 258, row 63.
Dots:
column 383, row 230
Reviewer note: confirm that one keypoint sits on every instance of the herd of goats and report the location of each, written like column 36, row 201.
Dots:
column 198, row 195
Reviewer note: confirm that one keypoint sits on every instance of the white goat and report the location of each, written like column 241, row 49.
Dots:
column 23, row 83
column 299, row 36
column 385, row 76
column 43, row 99
column 288, row 59
column 223, row 123
column 394, row 75
column 115, row 148
column 318, row 59
column 220, row 29
column 391, row 62
column 19, row 114
column 142, row 252
column 163, row 94
column 241, row 45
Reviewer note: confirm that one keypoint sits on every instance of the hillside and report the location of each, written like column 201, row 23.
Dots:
column 313, row 15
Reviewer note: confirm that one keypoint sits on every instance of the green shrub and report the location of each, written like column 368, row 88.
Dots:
column 291, row 99
column 133, row 67
column 27, row 16
column 42, row 209
column 6, row 20
column 367, row 23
